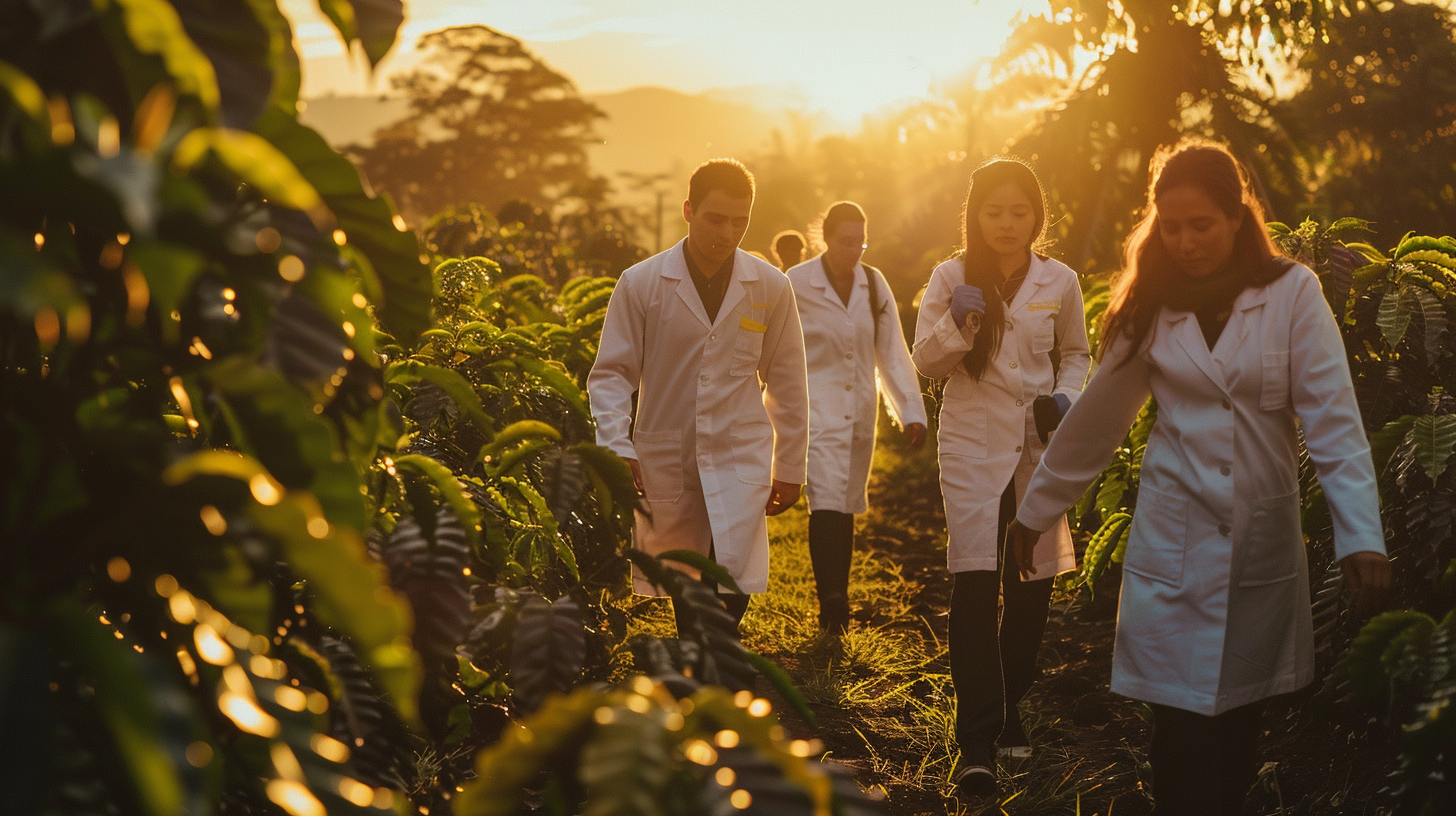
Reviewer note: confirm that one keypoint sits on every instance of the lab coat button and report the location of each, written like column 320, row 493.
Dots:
column 1224, row 529
column 1018, row 402
column 849, row 388
column 849, row 356
column 847, row 416
column 703, row 378
column 1018, row 449
column 1225, row 470
column 712, row 337
column 1013, row 365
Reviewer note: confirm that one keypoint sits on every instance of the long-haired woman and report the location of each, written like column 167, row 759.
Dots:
column 1240, row 350
column 1003, row 325
column 856, row 352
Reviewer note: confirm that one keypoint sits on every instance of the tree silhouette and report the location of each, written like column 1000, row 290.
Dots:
column 1376, row 121
column 489, row 122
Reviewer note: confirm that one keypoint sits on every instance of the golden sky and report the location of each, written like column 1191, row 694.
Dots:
column 840, row 57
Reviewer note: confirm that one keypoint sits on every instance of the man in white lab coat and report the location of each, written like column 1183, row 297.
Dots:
column 708, row 337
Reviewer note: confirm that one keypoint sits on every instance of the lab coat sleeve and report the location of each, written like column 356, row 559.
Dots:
column 786, row 394
column 1324, row 399
column 1088, row 437
column 1071, row 324
column 939, row 342
column 897, row 379
column 618, row 369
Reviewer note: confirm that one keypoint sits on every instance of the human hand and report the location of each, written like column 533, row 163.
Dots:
column 1023, row 543
column 637, row 476
column 1367, row 577
column 915, row 436
column 1064, row 403
column 781, row 498
column 966, row 300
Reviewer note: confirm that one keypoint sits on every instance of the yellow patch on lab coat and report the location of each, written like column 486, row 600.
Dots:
column 751, row 324
column 1045, row 306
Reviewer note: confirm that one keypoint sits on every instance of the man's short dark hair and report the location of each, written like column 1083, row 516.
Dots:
column 727, row 175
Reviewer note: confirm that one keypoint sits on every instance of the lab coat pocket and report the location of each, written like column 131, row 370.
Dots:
column 1156, row 544
column 747, row 349
column 1273, row 543
column 1043, row 334
column 753, row 453
column 1274, row 389
column 962, row 426
column 660, row 455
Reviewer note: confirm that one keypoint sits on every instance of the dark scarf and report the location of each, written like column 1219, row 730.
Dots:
column 1211, row 297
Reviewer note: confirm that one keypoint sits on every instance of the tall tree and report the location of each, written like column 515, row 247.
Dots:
column 489, row 122
column 1141, row 73
column 1376, row 120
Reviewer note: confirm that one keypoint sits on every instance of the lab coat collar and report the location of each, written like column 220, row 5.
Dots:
column 1038, row 276
column 819, row 276
column 1190, row 336
column 675, row 267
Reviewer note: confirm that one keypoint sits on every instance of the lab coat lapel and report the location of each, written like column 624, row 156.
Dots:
column 1241, row 322
column 1037, row 278
column 743, row 274
column 677, row 268
column 1184, row 327
column 819, row 276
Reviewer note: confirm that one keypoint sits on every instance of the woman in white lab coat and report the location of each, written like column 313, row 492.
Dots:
column 1240, row 351
column 855, row 350
column 1003, row 326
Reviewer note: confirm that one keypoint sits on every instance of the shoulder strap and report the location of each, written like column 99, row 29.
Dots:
column 873, row 277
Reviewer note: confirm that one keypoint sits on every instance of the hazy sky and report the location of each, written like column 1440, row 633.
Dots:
column 844, row 57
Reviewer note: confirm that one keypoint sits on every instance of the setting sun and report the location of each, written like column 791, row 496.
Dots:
column 843, row 60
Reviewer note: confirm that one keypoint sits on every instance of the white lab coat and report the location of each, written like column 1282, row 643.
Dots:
column 987, row 433
column 708, row 438
column 1215, row 607
column 839, row 342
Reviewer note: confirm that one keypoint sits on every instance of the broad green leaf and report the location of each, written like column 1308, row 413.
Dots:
column 153, row 27
column 341, row 14
column 215, row 462
column 559, row 380
column 131, row 702
column 452, row 383
column 450, row 489
column 349, row 589
column 703, row 564
column 368, row 222
column 256, row 161
column 517, row 432
column 28, row 97
column 626, row 766
column 170, row 270
column 1434, row 438
column 1394, row 316
column 378, row 25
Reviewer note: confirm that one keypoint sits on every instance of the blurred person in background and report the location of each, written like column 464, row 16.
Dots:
column 856, row 352
column 788, row 248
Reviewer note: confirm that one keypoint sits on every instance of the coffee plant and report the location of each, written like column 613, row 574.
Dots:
column 289, row 528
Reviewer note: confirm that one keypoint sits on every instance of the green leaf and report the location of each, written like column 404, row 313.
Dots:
column 341, row 14
column 1394, row 316
column 452, row 383
column 1362, row 669
column 30, row 100
column 517, row 432
column 256, row 161
column 349, row 590
column 558, row 380
column 626, row 766
column 170, row 270
column 215, row 462
column 379, row 22
column 406, row 286
column 450, row 489
column 1434, row 438
column 703, row 564
column 153, row 27
column 784, row 684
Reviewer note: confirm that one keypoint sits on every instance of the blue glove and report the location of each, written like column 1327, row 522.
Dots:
column 1064, row 402
column 965, row 299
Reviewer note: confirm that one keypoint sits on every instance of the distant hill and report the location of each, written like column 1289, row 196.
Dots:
column 647, row 130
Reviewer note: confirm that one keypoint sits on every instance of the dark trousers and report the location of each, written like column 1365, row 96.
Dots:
column 1203, row 766
column 831, row 548
column 736, row 603
column 993, row 658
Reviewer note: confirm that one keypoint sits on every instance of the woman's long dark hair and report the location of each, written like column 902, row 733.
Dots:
column 979, row 260
column 1140, row 290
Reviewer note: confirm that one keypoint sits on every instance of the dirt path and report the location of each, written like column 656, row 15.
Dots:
column 882, row 700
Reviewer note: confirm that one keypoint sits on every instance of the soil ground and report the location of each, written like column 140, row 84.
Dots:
column 883, row 704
